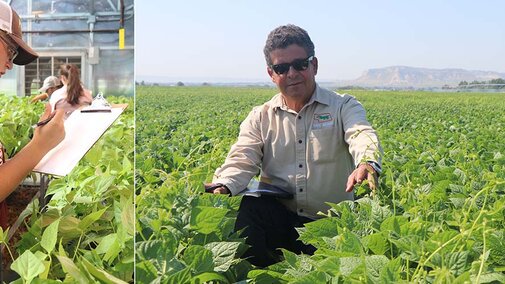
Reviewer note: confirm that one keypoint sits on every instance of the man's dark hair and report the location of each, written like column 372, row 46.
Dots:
column 284, row 36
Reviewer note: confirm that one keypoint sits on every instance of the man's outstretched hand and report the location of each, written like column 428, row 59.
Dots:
column 216, row 188
column 362, row 172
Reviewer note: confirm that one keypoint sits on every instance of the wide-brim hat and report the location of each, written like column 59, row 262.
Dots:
column 11, row 25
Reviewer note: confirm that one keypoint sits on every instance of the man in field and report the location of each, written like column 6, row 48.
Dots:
column 307, row 141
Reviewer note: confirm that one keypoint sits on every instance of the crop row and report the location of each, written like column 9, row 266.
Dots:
column 438, row 215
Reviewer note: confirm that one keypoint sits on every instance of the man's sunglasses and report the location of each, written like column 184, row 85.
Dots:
column 298, row 65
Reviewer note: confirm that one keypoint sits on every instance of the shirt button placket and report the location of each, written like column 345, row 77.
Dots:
column 300, row 163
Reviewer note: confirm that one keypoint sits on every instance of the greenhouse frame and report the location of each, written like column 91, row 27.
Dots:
column 96, row 35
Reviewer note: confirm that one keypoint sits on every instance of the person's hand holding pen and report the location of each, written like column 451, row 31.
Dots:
column 50, row 130
column 45, row 137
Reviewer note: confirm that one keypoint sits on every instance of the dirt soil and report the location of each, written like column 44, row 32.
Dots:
column 16, row 203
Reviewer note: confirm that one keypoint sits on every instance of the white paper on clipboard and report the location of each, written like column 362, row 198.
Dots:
column 82, row 130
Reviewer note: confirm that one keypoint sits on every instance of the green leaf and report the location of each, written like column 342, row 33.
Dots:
column 69, row 227
column 409, row 247
column 47, row 267
column 69, row 267
column 28, row 266
column 376, row 242
column 349, row 242
column 457, row 262
column 109, row 246
column 100, row 274
column 290, row 258
column 156, row 249
column 316, row 230
column 45, row 281
column 145, row 272
column 497, row 247
column 103, row 183
column 127, row 165
column 50, row 236
column 209, row 277
column 330, row 265
column 183, row 276
column 374, row 265
column 441, row 238
column 93, row 156
column 311, row 278
column 223, row 254
column 393, row 224
column 463, row 278
column 349, row 265
column 199, row 258
column 207, row 219
column 266, row 276
column 4, row 235
column 391, row 272
column 128, row 218
column 492, row 277
column 88, row 220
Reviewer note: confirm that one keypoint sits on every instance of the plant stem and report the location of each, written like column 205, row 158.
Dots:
column 390, row 173
column 77, row 246
column 483, row 258
column 422, row 263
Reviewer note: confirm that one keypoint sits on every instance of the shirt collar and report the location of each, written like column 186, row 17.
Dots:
column 320, row 96
column 277, row 102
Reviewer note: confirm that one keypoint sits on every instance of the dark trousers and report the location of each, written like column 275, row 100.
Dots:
column 269, row 225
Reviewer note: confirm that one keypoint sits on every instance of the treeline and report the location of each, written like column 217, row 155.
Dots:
column 491, row 84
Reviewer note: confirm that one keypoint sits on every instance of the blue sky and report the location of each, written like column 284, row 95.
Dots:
column 222, row 41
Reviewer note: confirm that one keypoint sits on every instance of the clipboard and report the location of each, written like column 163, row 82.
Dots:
column 82, row 130
column 258, row 189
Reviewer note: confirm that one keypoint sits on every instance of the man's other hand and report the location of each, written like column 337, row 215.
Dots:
column 216, row 188
column 359, row 174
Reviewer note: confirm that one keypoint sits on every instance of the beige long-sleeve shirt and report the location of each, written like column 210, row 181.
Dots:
column 310, row 153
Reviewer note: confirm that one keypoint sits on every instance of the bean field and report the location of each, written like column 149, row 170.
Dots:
column 438, row 215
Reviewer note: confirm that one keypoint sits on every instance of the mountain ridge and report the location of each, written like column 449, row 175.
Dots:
column 407, row 76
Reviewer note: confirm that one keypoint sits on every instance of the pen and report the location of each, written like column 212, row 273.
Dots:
column 44, row 122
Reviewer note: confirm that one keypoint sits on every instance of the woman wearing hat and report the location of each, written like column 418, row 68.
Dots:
column 51, row 84
column 13, row 50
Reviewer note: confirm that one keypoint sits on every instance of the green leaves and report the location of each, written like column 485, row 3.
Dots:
column 100, row 274
column 207, row 219
column 109, row 246
column 377, row 243
column 223, row 254
column 79, row 218
column 72, row 270
column 315, row 232
column 348, row 243
column 88, row 220
column 28, row 266
column 200, row 259
column 16, row 117
column 50, row 236
column 443, row 179
column 160, row 250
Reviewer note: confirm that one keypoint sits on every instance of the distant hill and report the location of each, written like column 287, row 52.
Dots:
column 404, row 76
